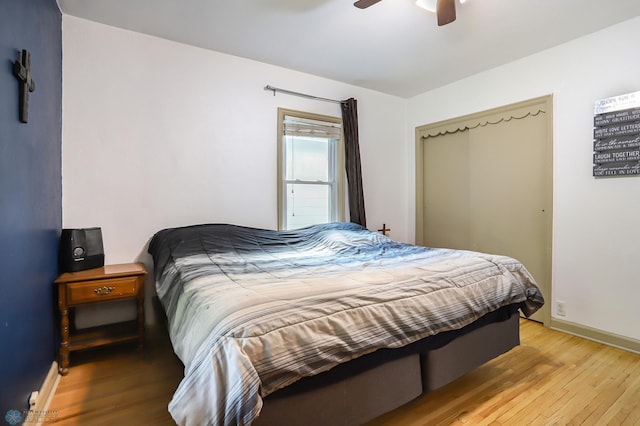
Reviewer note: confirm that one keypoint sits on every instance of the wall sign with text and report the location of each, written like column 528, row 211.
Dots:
column 616, row 134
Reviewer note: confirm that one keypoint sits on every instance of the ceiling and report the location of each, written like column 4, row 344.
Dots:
column 393, row 47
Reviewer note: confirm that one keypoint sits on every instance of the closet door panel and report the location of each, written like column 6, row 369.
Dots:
column 446, row 191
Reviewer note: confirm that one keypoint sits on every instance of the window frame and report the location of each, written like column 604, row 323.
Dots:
column 339, row 171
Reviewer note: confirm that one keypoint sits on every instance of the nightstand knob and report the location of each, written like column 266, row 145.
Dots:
column 103, row 291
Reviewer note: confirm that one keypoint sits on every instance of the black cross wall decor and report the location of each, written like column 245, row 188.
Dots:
column 384, row 229
column 22, row 71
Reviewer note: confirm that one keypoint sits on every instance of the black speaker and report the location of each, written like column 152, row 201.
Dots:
column 80, row 249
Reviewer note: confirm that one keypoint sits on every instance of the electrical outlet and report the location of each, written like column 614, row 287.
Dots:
column 560, row 308
column 33, row 398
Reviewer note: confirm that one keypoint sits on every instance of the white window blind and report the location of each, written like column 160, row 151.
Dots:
column 295, row 126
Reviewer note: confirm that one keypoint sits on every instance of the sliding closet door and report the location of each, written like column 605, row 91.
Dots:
column 508, row 212
column 486, row 186
column 446, row 215
column 507, row 193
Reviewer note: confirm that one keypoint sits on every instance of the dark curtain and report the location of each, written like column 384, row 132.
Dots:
column 352, row 161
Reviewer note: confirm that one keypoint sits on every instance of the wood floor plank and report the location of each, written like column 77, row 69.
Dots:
column 119, row 385
column 552, row 378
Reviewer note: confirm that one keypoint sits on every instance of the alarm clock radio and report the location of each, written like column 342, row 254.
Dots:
column 80, row 249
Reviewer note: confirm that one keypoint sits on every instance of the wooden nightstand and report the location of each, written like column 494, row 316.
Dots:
column 106, row 284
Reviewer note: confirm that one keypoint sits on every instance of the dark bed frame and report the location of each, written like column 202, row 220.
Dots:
column 367, row 387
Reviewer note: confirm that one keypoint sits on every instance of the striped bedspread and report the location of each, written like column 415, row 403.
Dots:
column 251, row 311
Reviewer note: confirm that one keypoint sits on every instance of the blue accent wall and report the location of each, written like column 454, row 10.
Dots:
column 30, row 199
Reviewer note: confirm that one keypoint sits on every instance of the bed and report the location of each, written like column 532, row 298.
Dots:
column 329, row 324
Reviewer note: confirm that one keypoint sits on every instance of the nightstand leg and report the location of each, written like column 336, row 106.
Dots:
column 63, row 368
column 140, row 322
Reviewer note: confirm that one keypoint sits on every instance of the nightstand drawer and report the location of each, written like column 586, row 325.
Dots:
column 101, row 290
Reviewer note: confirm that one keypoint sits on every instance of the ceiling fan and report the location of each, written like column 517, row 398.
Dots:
column 445, row 9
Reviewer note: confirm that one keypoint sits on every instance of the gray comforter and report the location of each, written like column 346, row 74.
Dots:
column 251, row 311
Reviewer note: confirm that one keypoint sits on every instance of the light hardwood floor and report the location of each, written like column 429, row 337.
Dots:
column 552, row 378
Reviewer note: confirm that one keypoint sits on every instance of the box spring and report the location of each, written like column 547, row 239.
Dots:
column 367, row 387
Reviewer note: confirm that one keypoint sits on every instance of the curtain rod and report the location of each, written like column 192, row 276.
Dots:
column 302, row 95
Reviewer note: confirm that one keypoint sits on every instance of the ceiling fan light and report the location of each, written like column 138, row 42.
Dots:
column 429, row 5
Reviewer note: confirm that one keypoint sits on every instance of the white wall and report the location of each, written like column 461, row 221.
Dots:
column 159, row 134
column 596, row 237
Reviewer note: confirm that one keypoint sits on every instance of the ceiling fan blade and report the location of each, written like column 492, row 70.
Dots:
column 363, row 4
column 446, row 11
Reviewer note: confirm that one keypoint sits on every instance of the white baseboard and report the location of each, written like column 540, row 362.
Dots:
column 610, row 339
column 38, row 413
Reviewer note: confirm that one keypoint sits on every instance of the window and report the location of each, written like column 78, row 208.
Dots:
column 310, row 169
